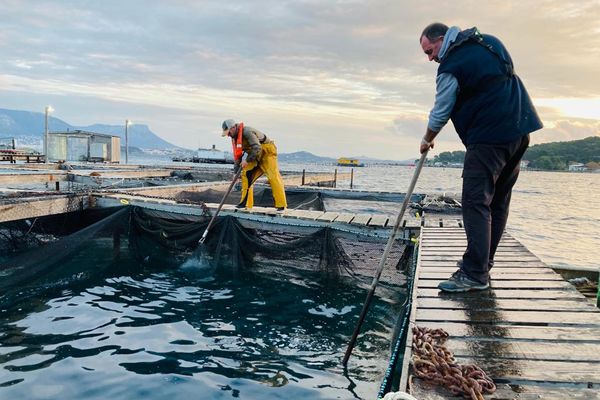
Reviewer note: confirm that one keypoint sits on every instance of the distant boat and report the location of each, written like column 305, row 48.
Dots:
column 349, row 162
column 208, row 156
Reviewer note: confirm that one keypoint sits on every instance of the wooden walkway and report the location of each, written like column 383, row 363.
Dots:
column 532, row 332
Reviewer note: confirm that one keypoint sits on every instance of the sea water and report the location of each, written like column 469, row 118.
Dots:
column 128, row 331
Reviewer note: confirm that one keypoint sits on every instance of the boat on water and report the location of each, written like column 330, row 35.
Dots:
column 208, row 156
column 349, row 162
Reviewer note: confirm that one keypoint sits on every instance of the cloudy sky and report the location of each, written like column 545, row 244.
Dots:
column 336, row 78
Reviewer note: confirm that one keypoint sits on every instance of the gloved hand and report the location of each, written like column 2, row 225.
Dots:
column 236, row 168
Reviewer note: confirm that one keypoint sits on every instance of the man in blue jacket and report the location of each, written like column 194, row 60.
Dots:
column 477, row 89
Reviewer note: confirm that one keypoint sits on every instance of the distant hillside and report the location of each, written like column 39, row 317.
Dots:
column 558, row 155
column 28, row 127
column 304, row 157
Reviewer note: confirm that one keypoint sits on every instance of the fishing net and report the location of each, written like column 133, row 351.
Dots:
column 44, row 252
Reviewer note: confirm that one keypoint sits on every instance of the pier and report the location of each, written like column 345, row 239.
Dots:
column 533, row 333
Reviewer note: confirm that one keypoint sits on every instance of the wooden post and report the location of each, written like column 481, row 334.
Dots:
column 303, row 176
column 57, row 186
column 351, row 177
column 335, row 178
column 598, row 295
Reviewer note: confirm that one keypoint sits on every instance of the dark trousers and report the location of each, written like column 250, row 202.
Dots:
column 489, row 174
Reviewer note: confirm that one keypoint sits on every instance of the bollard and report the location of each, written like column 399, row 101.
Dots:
column 351, row 177
column 335, row 178
column 303, row 176
column 57, row 186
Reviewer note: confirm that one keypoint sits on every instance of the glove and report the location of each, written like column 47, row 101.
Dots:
column 236, row 168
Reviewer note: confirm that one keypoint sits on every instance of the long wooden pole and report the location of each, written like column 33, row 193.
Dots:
column 386, row 252
column 235, row 178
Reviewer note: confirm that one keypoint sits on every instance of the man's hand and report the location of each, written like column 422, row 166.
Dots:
column 244, row 163
column 425, row 146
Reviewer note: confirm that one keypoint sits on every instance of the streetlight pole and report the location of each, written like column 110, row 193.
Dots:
column 47, row 110
column 127, row 123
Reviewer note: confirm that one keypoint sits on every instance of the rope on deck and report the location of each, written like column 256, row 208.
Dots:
column 436, row 364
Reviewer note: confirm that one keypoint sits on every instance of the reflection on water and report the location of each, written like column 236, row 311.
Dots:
column 154, row 334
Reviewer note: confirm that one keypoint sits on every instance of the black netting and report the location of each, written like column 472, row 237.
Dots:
column 263, row 197
column 279, row 251
column 163, row 240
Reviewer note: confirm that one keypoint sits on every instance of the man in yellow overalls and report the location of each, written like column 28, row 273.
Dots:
column 261, row 158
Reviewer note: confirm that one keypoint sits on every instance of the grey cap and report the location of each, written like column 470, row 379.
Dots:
column 227, row 124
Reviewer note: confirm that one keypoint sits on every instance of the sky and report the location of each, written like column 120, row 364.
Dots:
column 335, row 78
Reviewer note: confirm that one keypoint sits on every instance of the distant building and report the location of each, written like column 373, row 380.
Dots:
column 83, row 146
column 577, row 167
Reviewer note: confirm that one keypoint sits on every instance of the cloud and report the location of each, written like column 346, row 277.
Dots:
column 566, row 130
column 353, row 69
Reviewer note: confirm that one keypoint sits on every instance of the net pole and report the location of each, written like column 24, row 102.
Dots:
column 384, row 257
column 235, row 178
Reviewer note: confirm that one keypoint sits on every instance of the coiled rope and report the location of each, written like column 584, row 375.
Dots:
column 434, row 363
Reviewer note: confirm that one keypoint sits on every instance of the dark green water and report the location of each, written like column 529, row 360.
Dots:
column 125, row 331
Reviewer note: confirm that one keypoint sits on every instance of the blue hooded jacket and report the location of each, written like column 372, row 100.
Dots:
column 492, row 105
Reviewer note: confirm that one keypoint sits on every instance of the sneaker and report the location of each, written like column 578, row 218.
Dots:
column 280, row 208
column 239, row 206
column 460, row 282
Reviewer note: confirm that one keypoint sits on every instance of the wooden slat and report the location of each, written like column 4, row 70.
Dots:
column 345, row 217
column 329, row 216
column 511, row 317
column 533, row 391
column 378, row 220
column 487, row 331
column 497, row 275
column 485, row 303
column 361, row 219
column 524, row 294
column 496, row 284
column 529, row 329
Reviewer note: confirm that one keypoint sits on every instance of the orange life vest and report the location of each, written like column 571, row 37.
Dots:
column 237, row 145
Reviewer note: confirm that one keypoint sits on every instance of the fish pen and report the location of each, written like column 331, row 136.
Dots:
column 122, row 302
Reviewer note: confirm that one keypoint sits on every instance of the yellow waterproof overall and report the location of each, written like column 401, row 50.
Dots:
column 267, row 164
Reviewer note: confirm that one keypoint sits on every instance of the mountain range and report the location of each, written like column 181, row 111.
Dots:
column 28, row 127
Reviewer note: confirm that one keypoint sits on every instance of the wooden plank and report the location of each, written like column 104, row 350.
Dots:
column 496, row 284
column 497, row 274
column 558, row 371
column 512, row 317
column 361, row 219
column 524, row 350
column 579, row 304
column 524, row 265
column 522, row 270
column 522, row 391
column 345, row 217
column 432, row 222
column 506, row 294
column 485, row 331
column 456, row 257
column 41, row 206
column 329, row 216
column 449, row 223
column 378, row 220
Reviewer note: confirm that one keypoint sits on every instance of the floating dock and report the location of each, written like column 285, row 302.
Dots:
column 533, row 333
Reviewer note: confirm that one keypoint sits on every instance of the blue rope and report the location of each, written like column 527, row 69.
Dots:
column 386, row 383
